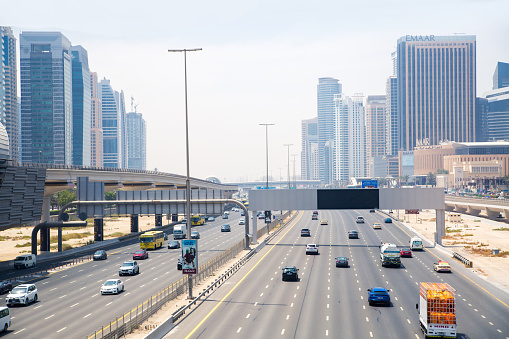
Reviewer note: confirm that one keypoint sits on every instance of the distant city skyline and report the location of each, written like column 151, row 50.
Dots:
column 272, row 63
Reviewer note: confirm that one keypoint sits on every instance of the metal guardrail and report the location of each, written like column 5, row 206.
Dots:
column 464, row 260
column 129, row 321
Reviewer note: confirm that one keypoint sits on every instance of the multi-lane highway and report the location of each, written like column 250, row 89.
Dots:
column 70, row 305
column 332, row 302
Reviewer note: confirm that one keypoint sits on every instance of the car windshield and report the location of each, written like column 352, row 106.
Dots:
column 174, row 242
column 195, row 233
column 110, row 283
column 128, row 264
column 138, row 252
column 20, row 258
column 19, row 290
column 99, row 252
column 146, row 239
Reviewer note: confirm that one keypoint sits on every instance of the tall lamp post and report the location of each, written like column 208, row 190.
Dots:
column 294, row 174
column 267, row 149
column 288, row 145
column 188, row 182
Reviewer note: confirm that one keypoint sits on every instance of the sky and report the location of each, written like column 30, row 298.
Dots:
column 260, row 63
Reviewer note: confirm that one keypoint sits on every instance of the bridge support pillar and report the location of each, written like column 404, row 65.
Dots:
column 98, row 229
column 134, row 223
column 254, row 228
column 492, row 214
column 460, row 209
column 159, row 220
column 45, row 233
column 440, row 222
column 473, row 211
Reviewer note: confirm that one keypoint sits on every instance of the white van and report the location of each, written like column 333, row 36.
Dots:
column 25, row 261
column 5, row 318
column 416, row 244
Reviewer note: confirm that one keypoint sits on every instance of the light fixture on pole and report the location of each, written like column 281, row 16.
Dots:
column 188, row 182
column 288, row 145
column 267, row 149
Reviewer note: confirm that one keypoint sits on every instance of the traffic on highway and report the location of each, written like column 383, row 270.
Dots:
column 342, row 290
column 74, row 302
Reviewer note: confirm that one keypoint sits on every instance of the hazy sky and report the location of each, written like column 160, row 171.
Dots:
column 260, row 63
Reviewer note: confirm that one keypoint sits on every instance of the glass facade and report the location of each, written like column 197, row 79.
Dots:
column 501, row 75
column 391, row 114
column 309, row 146
column 8, row 89
column 136, row 141
column 110, row 124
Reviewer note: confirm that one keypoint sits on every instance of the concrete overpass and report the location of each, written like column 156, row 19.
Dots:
column 280, row 184
column 473, row 206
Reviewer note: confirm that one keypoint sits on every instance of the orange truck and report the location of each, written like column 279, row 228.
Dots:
column 437, row 310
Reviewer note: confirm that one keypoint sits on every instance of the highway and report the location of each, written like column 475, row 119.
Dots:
column 70, row 305
column 332, row 302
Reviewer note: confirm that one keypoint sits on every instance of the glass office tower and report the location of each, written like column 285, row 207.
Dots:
column 8, row 88
column 46, row 98
column 111, row 124
column 436, row 89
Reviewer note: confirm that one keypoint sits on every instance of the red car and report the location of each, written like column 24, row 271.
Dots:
column 405, row 252
column 140, row 254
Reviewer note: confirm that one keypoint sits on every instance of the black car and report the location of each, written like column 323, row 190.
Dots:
column 290, row 273
column 100, row 255
column 353, row 234
column 226, row 228
column 5, row 286
column 371, row 211
column 173, row 244
column 179, row 263
column 342, row 262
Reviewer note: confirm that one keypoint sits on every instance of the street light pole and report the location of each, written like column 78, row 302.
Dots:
column 294, row 174
column 288, row 145
column 267, row 149
column 188, row 182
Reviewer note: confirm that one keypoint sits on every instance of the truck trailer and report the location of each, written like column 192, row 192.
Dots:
column 437, row 310
column 389, row 255
column 179, row 231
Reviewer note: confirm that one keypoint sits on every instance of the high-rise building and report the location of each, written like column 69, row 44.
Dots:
column 309, row 151
column 9, row 89
column 501, row 75
column 46, row 98
column 326, row 89
column 436, row 89
column 111, row 124
column 123, row 131
column 96, row 129
column 498, row 113
column 350, row 142
column 481, row 120
column 81, row 107
column 394, row 59
column 376, row 130
column 136, row 141
column 391, row 115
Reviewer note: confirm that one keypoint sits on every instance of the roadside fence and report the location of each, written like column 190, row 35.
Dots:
column 129, row 321
column 464, row 260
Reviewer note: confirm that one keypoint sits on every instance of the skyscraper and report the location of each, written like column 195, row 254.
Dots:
column 501, row 75
column 9, row 89
column 81, row 107
column 375, row 126
column 46, row 97
column 326, row 89
column 436, row 89
column 96, row 129
column 391, row 114
column 136, row 141
column 309, row 150
column 482, row 133
column 123, row 131
column 111, row 123
column 350, row 142
column 498, row 113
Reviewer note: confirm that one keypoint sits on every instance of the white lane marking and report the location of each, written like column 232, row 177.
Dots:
column 267, row 286
column 256, row 303
column 247, row 316
column 326, row 333
column 371, row 334
column 127, row 293
column 291, row 305
column 327, row 318
column 327, row 305
column 396, row 298
column 367, row 319
column 142, row 285
column 89, row 275
column 51, row 316
column 75, row 304
column 490, row 323
column 154, row 279
column 60, row 330
column 239, row 329
column 363, row 307
column 408, row 321
column 287, row 317
column 65, row 295
column 475, row 309
column 295, row 295
column 83, row 288
column 299, row 287
column 482, row 315
column 44, row 283
column 20, row 331
column 53, row 289
column 283, row 331
column 63, row 276
column 87, row 315
column 261, row 295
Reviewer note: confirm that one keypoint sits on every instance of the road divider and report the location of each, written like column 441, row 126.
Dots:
column 464, row 260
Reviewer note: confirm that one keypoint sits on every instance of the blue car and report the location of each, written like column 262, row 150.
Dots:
column 388, row 220
column 379, row 295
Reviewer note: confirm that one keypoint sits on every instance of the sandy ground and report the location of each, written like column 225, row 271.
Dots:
column 470, row 237
column 112, row 226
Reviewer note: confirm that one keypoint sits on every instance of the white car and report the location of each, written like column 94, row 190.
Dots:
column 312, row 249
column 359, row 220
column 377, row 226
column 112, row 286
column 22, row 295
column 242, row 222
